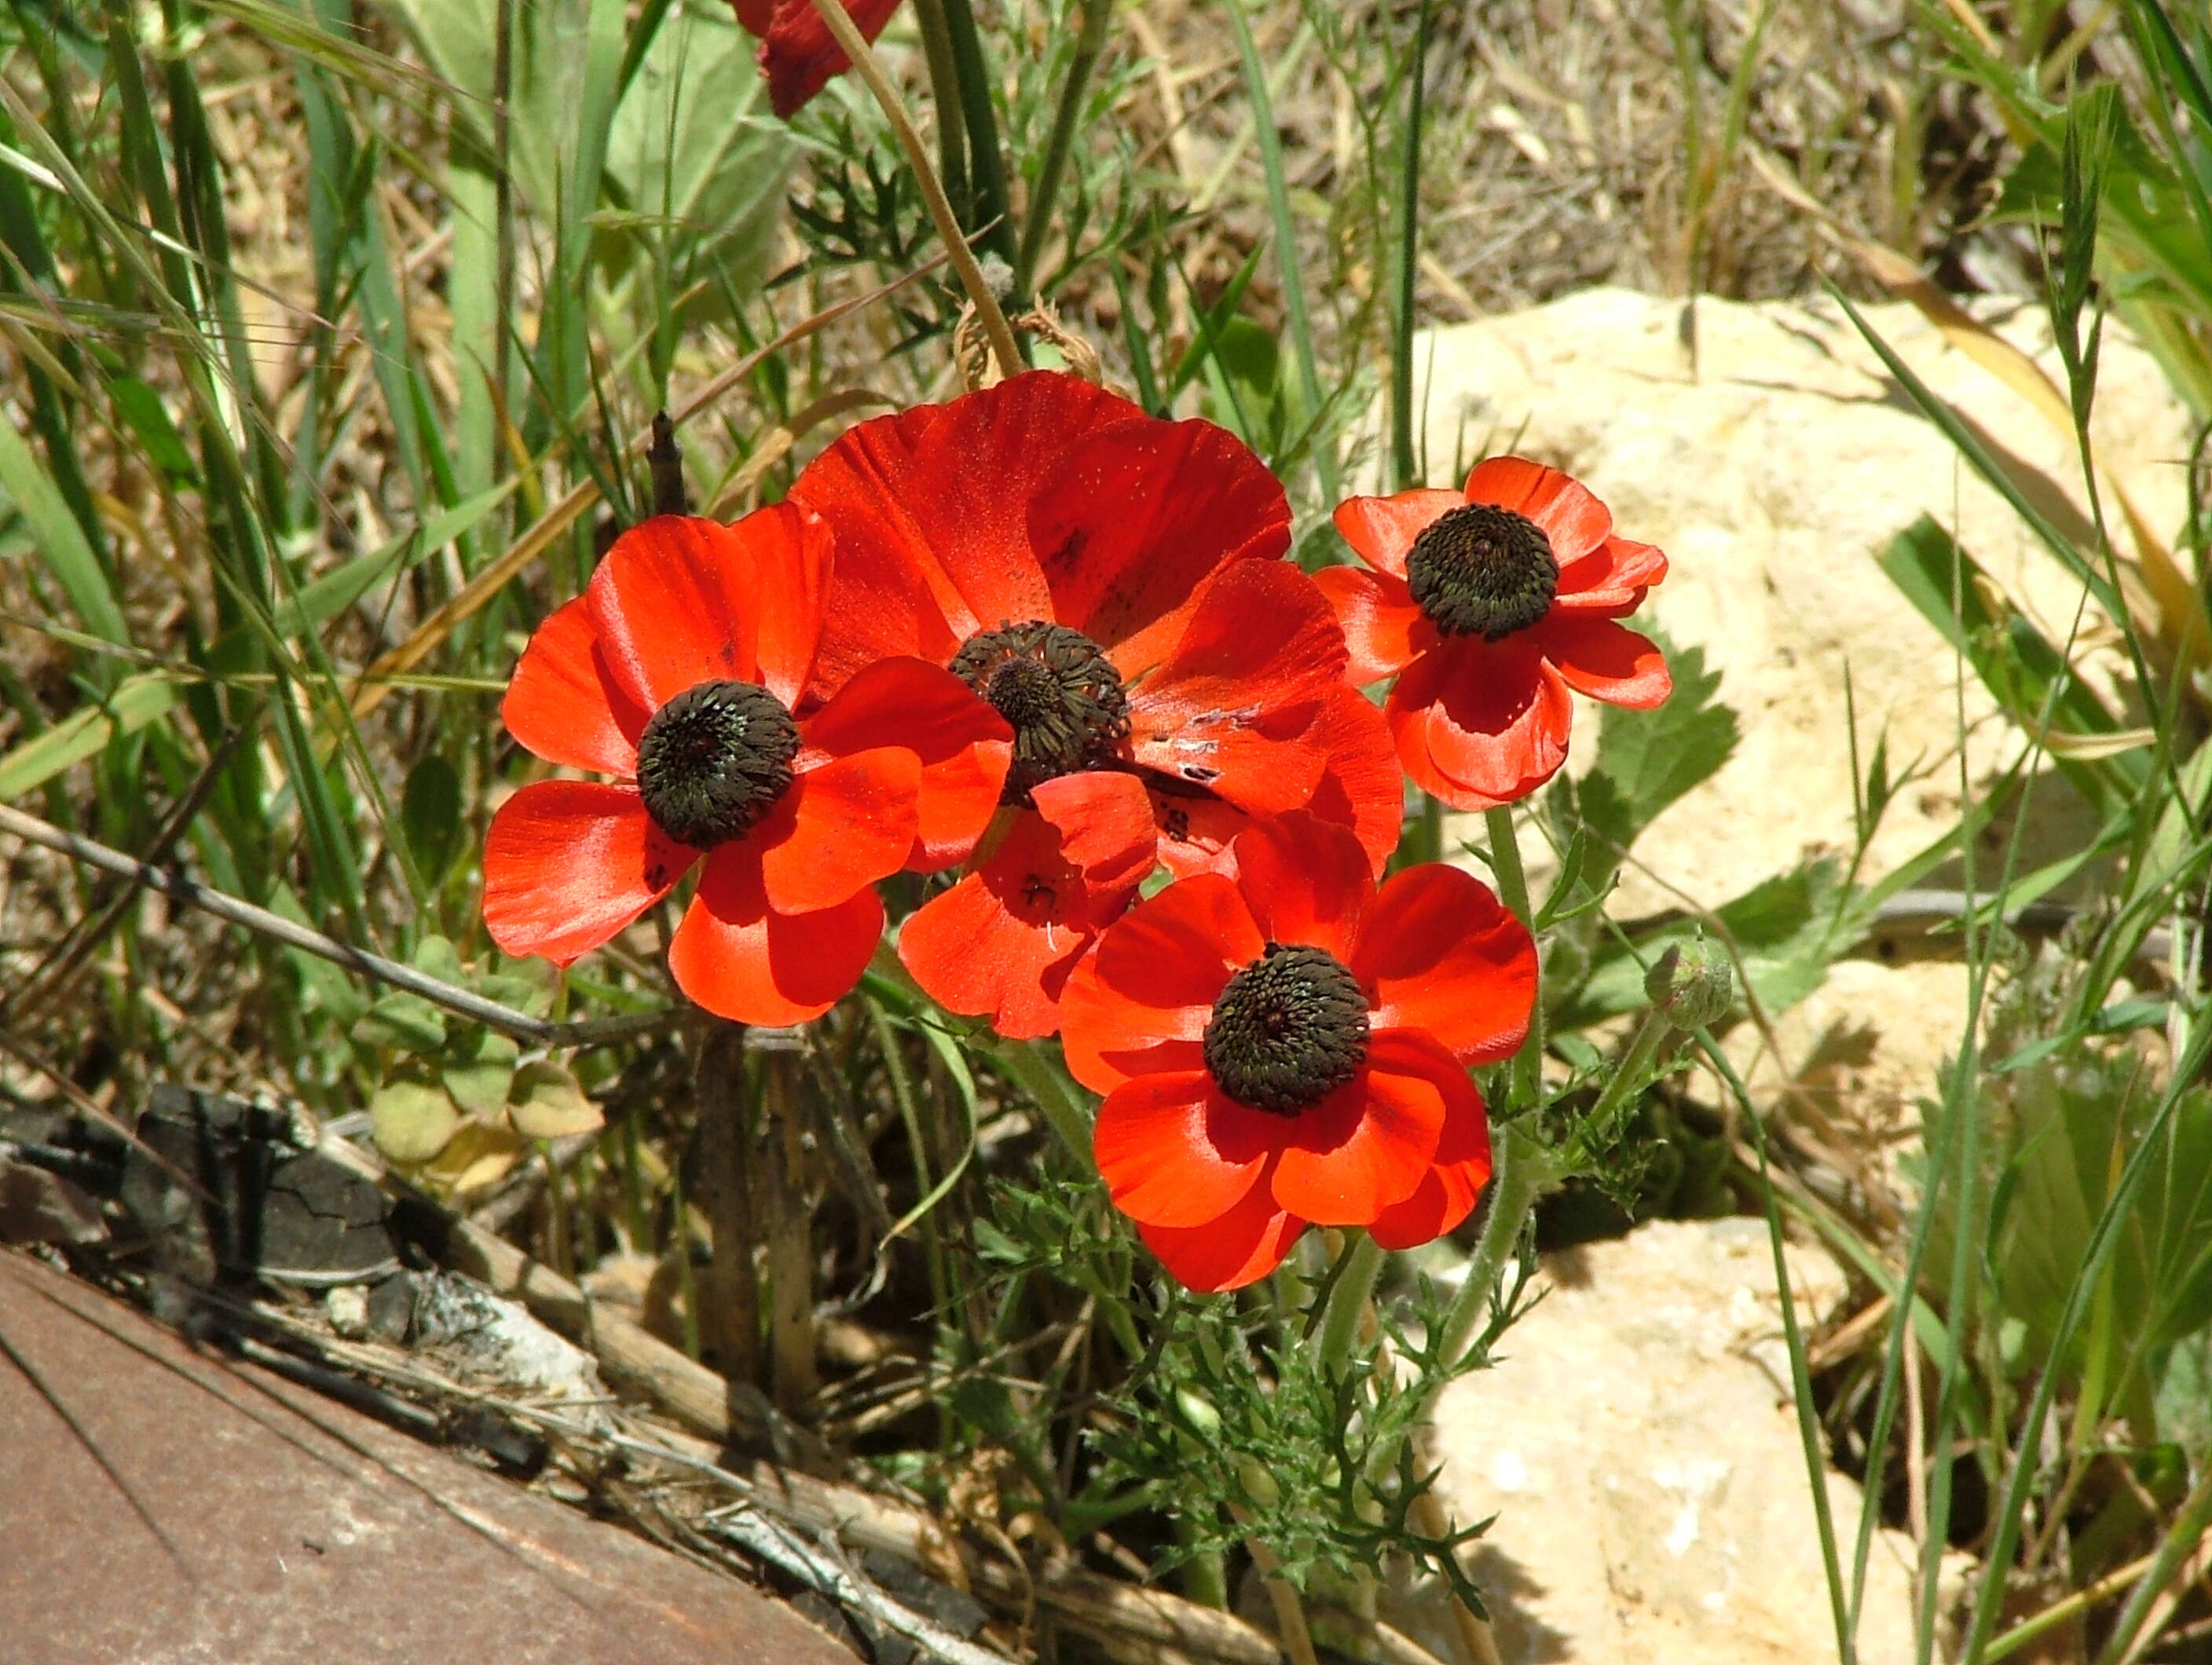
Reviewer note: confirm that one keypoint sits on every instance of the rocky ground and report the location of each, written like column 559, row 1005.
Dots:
column 1639, row 1445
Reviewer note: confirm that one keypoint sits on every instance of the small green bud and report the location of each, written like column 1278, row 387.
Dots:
column 1199, row 1413
column 1691, row 984
column 1258, row 1484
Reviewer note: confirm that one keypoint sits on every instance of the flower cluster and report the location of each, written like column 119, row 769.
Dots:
column 1044, row 638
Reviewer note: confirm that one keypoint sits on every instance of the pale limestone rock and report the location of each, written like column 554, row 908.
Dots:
column 1772, row 476
column 1638, row 1444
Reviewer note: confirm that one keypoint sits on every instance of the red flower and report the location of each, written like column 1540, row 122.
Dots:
column 1113, row 583
column 1285, row 1043
column 1488, row 606
column 677, row 669
column 797, row 53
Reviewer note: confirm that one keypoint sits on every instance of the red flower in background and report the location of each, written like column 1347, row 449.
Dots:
column 1489, row 606
column 797, row 53
column 677, row 669
column 1285, row 1043
column 1112, row 583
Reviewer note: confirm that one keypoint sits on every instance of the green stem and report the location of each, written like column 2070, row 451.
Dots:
column 1634, row 1063
column 988, row 169
column 1406, row 252
column 1350, row 1301
column 1513, row 890
column 1522, row 1169
column 1054, row 1095
column 1286, row 238
column 944, row 95
column 1036, row 224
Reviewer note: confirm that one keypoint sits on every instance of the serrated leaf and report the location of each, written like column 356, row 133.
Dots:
column 403, row 1020
column 412, row 1122
column 1646, row 760
column 549, row 1104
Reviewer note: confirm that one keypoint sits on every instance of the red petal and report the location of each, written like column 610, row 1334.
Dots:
column 931, row 508
column 754, row 17
column 1441, row 955
column 1174, row 1153
column 1611, row 579
column 798, row 54
column 1230, row 709
column 1104, row 820
column 569, row 863
column 1480, row 724
column 1571, row 518
column 674, row 606
column 1597, row 657
column 842, row 827
column 1241, row 1247
column 1448, row 1195
column 1382, row 628
column 1108, row 1038
column 1137, row 515
column 1360, row 787
column 1179, row 948
column 1306, row 880
column 1001, row 943
column 1194, row 830
column 564, row 707
column 963, row 744
column 740, row 959
column 1366, row 1146
column 787, row 548
column 1383, row 529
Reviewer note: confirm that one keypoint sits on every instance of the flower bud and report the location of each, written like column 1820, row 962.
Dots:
column 1258, row 1484
column 1691, row 984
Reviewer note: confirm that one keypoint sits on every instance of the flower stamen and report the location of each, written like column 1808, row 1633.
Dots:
column 1289, row 1029
column 715, row 760
column 1058, row 689
column 1482, row 570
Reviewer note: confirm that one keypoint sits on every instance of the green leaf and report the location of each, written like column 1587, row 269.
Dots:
column 430, row 815
column 142, row 411
column 692, row 148
column 482, row 1084
column 412, row 1122
column 405, row 1021
column 1646, row 760
column 549, row 1104
column 68, row 553
column 1787, row 929
column 2014, row 660
column 85, row 734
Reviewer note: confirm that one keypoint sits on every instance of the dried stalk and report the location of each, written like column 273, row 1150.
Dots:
column 727, row 1191
column 849, row 40
column 520, row 1025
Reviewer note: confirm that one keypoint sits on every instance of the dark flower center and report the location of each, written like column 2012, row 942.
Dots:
column 1058, row 689
column 715, row 760
column 1289, row 1029
column 1483, row 571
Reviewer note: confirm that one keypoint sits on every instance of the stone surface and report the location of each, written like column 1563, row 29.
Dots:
column 159, row 1506
column 1639, row 1449
column 1772, row 476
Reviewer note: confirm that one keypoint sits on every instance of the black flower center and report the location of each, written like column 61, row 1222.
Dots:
column 1058, row 689
column 1289, row 1029
column 1483, row 571
column 715, row 760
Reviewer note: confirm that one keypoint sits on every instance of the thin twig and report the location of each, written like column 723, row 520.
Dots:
column 520, row 1025
column 848, row 38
